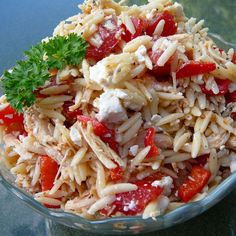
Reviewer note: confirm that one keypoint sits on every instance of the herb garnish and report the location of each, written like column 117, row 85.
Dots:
column 27, row 76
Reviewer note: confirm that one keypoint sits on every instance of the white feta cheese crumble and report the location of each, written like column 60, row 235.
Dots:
column 99, row 73
column 131, row 206
column 232, row 162
column 75, row 136
column 110, row 108
column 133, row 150
column 119, row 93
column 166, row 182
column 141, row 54
column 112, row 69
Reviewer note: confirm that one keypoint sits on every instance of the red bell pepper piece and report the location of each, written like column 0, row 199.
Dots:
column 149, row 141
column 223, row 86
column 71, row 115
column 16, row 128
column 8, row 116
column 109, row 38
column 195, row 68
column 101, row 130
column 159, row 71
column 198, row 179
column 139, row 25
column 13, row 121
column 170, row 27
column 48, row 170
column 117, row 173
column 134, row 202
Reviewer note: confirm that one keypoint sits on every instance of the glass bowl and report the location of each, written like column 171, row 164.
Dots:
column 121, row 225
column 126, row 225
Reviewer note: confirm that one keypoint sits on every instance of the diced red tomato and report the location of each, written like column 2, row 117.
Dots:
column 48, row 170
column 139, row 25
column 8, row 116
column 170, row 26
column 195, row 68
column 108, row 32
column 149, row 141
column 159, row 71
column 117, row 173
column 223, row 86
column 71, row 115
column 101, row 130
column 198, row 179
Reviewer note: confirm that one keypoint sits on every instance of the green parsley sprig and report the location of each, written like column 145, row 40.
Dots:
column 27, row 76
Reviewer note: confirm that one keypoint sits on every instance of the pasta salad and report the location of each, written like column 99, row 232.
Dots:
column 124, row 111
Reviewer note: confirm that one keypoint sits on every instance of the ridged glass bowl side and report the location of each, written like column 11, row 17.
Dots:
column 122, row 224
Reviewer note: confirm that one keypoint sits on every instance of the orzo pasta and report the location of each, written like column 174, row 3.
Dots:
column 141, row 123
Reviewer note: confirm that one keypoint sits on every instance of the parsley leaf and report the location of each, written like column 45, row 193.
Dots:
column 19, row 84
column 63, row 51
column 27, row 76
